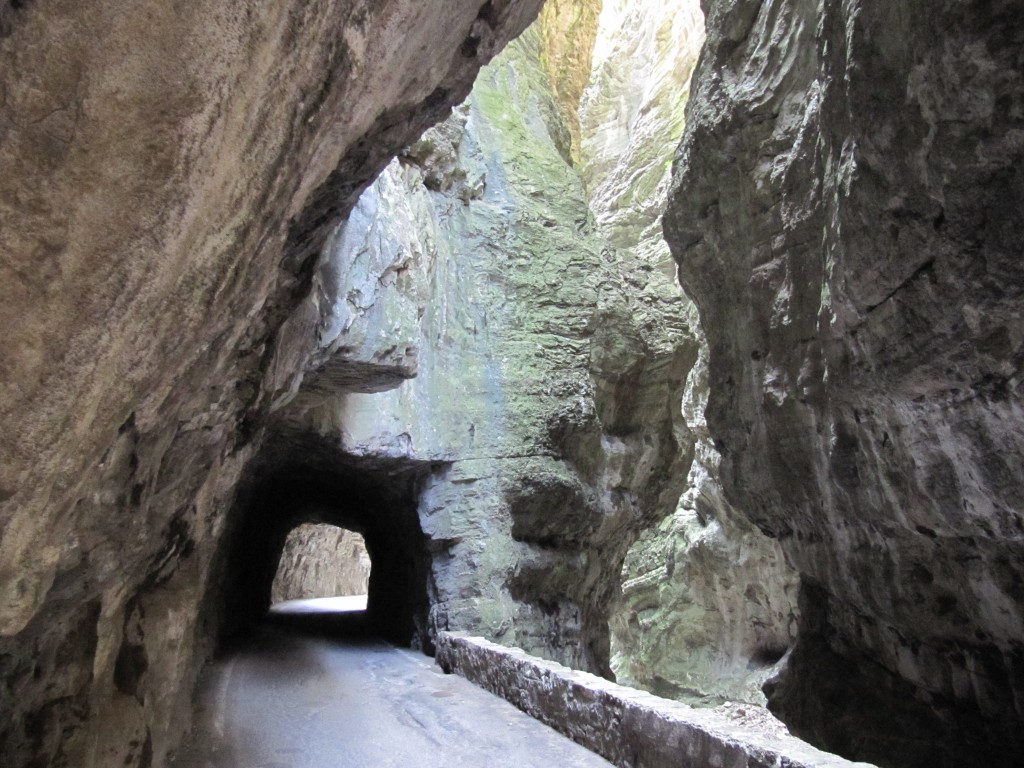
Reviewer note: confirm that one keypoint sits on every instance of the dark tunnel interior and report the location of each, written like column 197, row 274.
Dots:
column 299, row 481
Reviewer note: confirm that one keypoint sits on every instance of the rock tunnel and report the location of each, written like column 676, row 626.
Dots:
column 675, row 342
column 378, row 502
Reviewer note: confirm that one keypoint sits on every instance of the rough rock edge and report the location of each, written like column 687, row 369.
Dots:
column 109, row 531
column 862, row 300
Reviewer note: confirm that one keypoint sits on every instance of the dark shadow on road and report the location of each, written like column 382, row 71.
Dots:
column 312, row 688
column 340, row 626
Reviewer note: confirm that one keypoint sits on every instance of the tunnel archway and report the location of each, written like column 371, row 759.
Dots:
column 321, row 561
column 300, row 479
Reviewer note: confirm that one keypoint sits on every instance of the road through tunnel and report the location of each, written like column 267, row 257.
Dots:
column 296, row 483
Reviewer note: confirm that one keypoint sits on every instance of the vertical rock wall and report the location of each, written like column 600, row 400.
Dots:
column 511, row 270
column 846, row 212
column 546, row 388
column 167, row 174
column 708, row 601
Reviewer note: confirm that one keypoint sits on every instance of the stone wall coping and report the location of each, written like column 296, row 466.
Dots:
column 629, row 727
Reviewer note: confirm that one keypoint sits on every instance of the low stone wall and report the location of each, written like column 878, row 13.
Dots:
column 631, row 728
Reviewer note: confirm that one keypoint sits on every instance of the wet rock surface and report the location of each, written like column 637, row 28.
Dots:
column 846, row 213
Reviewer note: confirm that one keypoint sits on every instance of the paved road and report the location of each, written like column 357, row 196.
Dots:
column 293, row 700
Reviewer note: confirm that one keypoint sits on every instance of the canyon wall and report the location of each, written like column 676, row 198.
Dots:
column 542, row 390
column 493, row 345
column 415, row 347
column 708, row 601
column 167, row 178
column 321, row 561
column 847, row 211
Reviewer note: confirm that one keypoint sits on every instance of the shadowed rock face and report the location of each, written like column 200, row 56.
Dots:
column 167, row 174
column 847, row 212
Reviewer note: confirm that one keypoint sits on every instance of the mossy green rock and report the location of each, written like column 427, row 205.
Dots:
column 547, row 387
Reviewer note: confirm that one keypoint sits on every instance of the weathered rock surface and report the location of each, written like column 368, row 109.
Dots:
column 631, row 118
column 546, row 395
column 707, row 610
column 630, row 728
column 847, row 214
column 483, row 372
column 526, row 526
column 568, row 33
column 708, row 600
column 321, row 561
column 166, row 177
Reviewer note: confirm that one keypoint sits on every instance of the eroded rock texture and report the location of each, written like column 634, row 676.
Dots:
column 167, row 176
column 321, row 561
column 708, row 600
column 848, row 212
column 545, row 401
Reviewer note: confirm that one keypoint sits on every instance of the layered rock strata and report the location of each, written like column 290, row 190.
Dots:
column 167, row 177
column 846, row 212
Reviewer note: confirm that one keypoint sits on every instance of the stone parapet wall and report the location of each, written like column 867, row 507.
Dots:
column 631, row 728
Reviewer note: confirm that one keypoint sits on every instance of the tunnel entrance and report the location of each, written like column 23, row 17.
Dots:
column 294, row 534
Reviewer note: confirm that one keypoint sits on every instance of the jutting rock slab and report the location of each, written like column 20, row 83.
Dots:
column 167, row 176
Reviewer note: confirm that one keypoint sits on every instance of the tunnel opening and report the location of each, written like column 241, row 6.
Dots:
column 311, row 492
column 322, row 567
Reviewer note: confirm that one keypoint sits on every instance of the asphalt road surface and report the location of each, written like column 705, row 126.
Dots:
column 296, row 698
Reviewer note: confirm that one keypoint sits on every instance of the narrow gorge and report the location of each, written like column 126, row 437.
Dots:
column 676, row 342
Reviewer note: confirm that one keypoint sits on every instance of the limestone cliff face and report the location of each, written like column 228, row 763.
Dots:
column 707, row 599
column 167, row 176
column 846, row 212
column 568, row 31
column 547, row 387
column 321, row 561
